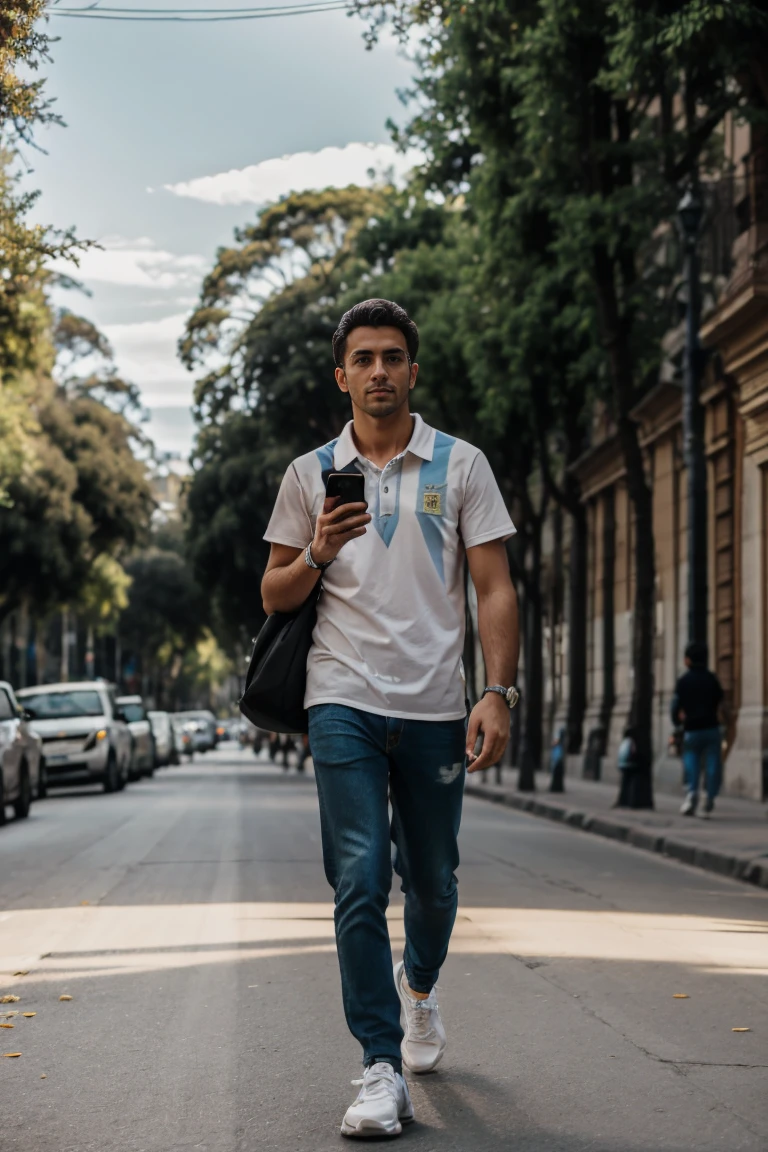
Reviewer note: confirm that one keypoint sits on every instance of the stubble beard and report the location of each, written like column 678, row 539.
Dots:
column 379, row 409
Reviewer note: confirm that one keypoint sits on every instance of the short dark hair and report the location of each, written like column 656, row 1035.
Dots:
column 697, row 653
column 375, row 314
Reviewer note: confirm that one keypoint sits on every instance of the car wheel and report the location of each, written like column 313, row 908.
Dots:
column 22, row 806
column 111, row 775
column 42, row 780
column 133, row 772
column 150, row 771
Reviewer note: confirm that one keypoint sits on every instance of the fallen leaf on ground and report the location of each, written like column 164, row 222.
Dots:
column 7, row 1025
column 28, row 1014
column 741, row 1029
column 10, row 999
column 44, row 1076
column 11, row 1054
column 7, row 1014
column 21, row 973
column 65, row 997
column 680, row 996
column 85, row 901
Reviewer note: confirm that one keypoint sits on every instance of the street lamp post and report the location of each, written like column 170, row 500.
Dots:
column 689, row 213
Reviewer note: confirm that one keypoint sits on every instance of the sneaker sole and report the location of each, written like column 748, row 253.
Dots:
column 398, row 971
column 373, row 1129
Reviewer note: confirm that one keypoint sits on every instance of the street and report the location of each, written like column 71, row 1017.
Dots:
column 190, row 921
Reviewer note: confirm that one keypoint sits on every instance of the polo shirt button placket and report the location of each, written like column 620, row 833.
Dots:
column 385, row 502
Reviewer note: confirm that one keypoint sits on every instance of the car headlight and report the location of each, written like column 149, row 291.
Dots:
column 94, row 739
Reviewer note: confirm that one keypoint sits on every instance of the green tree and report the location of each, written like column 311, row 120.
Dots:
column 503, row 365
column 267, row 313
column 23, row 48
column 595, row 113
column 163, row 623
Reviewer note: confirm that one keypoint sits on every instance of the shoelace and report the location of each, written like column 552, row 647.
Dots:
column 420, row 1018
column 373, row 1081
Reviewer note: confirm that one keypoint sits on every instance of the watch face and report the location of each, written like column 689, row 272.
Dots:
column 512, row 697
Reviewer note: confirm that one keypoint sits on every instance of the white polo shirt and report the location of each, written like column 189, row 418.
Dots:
column 390, row 617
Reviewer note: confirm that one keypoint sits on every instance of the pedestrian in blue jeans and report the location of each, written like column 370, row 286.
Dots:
column 388, row 730
column 696, row 703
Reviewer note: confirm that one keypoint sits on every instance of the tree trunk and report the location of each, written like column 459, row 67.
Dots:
column 615, row 331
column 556, row 623
column 609, row 615
column 641, row 716
column 41, row 655
column 577, row 630
column 64, row 668
column 531, row 742
column 90, row 654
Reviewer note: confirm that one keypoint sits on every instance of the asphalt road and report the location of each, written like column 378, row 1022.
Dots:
column 190, row 921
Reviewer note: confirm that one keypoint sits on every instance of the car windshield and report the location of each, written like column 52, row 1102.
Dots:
column 61, row 705
column 133, row 712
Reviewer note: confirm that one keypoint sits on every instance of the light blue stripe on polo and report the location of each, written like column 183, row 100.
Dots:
column 386, row 525
column 434, row 472
column 325, row 455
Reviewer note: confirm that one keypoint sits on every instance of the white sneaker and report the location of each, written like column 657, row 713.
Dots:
column 689, row 804
column 382, row 1106
column 424, row 1041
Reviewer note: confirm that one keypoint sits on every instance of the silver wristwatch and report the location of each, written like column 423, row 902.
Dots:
column 511, row 695
column 310, row 562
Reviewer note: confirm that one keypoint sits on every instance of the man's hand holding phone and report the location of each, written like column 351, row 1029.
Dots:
column 340, row 521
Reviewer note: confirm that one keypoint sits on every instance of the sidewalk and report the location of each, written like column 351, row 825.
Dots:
column 734, row 842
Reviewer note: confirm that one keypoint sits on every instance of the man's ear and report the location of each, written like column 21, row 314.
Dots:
column 414, row 374
column 341, row 379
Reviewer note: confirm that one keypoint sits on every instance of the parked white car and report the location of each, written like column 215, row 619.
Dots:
column 162, row 731
column 22, row 769
column 85, row 741
column 135, row 715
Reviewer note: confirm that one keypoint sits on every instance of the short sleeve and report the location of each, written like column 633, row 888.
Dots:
column 290, row 522
column 483, row 515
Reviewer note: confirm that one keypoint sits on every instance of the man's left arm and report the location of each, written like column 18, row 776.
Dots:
column 499, row 636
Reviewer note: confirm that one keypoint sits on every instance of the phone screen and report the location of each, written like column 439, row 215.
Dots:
column 348, row 486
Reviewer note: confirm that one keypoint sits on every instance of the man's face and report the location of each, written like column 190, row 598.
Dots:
column 377, row 373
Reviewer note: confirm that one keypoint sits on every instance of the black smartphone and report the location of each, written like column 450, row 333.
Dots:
column 348, row 486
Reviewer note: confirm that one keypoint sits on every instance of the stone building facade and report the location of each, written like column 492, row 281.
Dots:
column 735, row 396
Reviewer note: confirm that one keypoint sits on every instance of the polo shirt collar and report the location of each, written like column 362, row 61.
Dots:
column 421, row 444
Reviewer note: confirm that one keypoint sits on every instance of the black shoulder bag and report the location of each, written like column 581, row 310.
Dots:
column 277, row 674
column 276, row 682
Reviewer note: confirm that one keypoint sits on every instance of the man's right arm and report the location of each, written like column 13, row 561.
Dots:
column 288, row 579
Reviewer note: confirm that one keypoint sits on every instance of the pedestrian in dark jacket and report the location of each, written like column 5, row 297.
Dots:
column 696, row 704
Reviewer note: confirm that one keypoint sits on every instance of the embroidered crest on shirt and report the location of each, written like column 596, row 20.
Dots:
column 433, row 503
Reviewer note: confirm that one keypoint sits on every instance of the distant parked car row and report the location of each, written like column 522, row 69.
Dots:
column 84, row 733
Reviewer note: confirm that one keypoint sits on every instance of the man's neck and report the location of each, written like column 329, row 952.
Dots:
column 380, row 439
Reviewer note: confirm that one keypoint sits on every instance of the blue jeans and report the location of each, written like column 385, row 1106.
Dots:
column 362, row 761
column 703, row 745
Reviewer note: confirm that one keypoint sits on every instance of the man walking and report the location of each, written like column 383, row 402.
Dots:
column 386, row 701
column 697, row 699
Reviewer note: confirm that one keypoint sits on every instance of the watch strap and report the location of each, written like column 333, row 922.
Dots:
column 509, row 695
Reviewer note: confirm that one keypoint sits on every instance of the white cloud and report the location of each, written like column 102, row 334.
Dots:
column 271, row 179
column 146, row 354
column 136, row 264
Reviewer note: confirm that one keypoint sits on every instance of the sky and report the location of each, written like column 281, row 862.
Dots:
column 176, row 133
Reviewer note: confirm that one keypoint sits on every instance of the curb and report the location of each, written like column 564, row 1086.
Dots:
column 732, row 864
